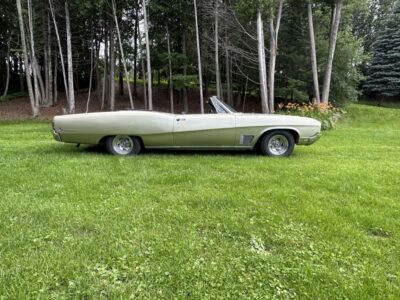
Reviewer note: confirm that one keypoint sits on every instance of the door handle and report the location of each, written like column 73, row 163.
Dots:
column 180, row 120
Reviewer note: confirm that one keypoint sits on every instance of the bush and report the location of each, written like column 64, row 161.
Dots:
column 327, row 114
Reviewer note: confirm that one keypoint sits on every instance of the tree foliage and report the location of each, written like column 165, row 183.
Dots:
column 383, row 74
column 364, row 31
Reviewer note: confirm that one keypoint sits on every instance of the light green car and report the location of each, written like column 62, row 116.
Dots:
column 129, row 132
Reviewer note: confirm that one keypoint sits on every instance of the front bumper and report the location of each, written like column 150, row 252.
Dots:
column 310, row 140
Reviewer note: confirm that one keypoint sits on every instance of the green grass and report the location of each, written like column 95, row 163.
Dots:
column 324, row 223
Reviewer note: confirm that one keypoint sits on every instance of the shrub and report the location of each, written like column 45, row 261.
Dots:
column 327, row 114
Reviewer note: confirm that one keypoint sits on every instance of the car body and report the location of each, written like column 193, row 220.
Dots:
column 224, row 129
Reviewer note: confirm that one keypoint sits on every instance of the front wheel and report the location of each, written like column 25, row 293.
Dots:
column 277, row 143
column 123, row 145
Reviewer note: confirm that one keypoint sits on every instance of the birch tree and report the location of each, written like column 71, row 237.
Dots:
column 135, row 47
column 49, row 64
column 34, row 107
column 91, row 71
column 7, row 68
column 216, row 39
column 33, row 55
column 149, row 77
column 274, row 32
column 171, row 83
column 112, row 70
column 71, row 93
column 60, row 49
column 199, row 58
column 229, row 96
column 184, row 90
column 262, row 63
column 122, row 54
column 313, row 53
column 331, row 51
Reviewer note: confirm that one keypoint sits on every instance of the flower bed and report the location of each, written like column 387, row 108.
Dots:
column 327, row 114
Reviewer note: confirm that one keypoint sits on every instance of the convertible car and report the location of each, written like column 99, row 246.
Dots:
column 129, row 132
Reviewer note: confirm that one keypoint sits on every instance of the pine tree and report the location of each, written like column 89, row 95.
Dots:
column 383, row 75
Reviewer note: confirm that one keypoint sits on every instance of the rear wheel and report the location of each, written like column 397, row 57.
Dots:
column 123, row 145
column 277, row 143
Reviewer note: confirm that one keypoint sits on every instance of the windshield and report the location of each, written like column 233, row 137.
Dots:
column 229, row 107
column 221, row 107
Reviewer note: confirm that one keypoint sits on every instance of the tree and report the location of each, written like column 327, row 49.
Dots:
column 313, row 53
column 60, row 51
column 383, row 77
column 71, row 93
column 149, row 77
column 199, row 58
column 34, row 106
column 216, row 40
column 273, row 46
column 122, row 53
column 262, row 64
column 337, row 10
column 8, row 68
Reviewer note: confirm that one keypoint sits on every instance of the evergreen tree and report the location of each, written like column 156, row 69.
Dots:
column 384, row 71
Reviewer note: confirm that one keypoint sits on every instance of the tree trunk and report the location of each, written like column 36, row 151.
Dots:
column 313, row 53
column 217, row 69
column 171, row 83
column 60, row 51
column 71, row 93
column 7, row 68
column 34, row 107
column 185, row 94
column 112, row 70
column 262, row 65
column 199, row 59
column 98, row 79
column 50, row 95
column 122, row 56
column 104, row 97
column 331, row 51
column 274, row 32
column 149, row 78
column 46, row 99
column 33, row 56
column 121, row 76
column 245, row 93
column 21, row 73
column 144, row 83
column 91, row 70
column 135, row 48
column 158, row 83
column 42, row 91
column 55, row 79
column 228, row 74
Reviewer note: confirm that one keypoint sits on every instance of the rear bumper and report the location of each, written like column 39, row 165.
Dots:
column 56, row 135
column 310, row 140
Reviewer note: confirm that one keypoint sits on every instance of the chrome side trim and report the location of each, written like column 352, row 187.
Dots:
column 202, row 147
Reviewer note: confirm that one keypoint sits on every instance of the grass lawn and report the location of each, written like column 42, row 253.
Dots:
column 324, row 223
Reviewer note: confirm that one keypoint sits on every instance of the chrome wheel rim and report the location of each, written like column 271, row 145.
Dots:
column 122, row 144
column 278, row 144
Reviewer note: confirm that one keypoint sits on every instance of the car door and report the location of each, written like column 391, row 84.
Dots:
column 204, row 131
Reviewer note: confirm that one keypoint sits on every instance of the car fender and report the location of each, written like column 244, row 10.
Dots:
column 273, row 128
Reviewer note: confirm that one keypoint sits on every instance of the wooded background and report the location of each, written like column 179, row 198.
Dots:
column 327, row 51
